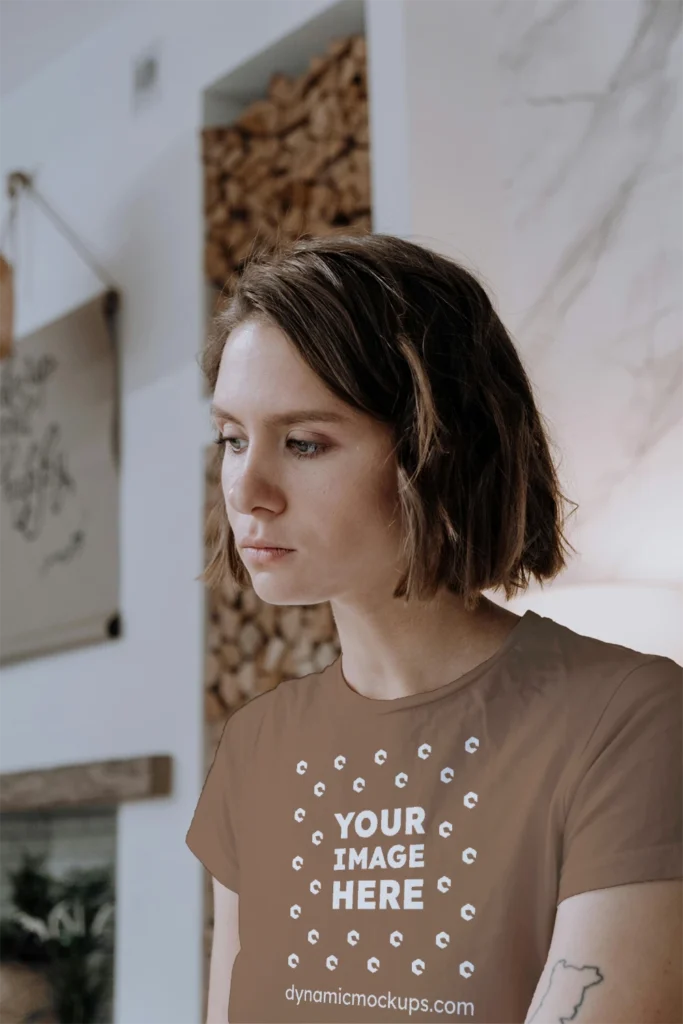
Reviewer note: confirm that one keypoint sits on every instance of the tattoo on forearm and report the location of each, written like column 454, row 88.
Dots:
column 576, row 984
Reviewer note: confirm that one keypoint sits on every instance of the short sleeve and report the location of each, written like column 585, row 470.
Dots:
column 624, row 820
column 212, row 836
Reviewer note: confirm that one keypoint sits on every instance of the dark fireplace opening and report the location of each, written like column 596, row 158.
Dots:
column 57, row 913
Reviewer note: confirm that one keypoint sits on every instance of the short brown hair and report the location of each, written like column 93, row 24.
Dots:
column 410, row 337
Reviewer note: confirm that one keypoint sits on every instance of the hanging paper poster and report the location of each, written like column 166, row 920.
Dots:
column 59, row 487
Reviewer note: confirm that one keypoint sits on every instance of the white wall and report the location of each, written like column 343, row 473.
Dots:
column 130, row 185
column 544, row 152
column 589, row 146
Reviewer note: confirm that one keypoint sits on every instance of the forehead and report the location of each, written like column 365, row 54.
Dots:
column 262, row 371
column 259, row 355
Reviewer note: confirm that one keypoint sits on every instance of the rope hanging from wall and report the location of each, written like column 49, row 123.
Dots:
column 19, row 182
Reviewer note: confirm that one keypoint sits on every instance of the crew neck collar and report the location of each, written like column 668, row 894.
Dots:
column 338, row 689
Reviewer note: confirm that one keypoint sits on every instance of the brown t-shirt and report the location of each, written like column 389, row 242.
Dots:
column 402, row 860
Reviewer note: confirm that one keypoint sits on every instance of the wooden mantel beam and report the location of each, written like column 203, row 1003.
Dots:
column 95, row 783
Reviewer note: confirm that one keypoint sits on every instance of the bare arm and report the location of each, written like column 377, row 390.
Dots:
column 224, row 949
column 615, row 956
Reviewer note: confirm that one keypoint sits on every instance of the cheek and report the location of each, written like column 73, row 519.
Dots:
column 384, row 484
column 226, row 484
column 360, row 504
column 230, row 471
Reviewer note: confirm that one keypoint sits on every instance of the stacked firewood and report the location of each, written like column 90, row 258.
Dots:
column 294, row 163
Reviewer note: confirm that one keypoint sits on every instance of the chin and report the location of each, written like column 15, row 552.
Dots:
column 279, row 592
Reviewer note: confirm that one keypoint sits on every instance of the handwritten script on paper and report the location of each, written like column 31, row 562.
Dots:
column 59, row 484
column 35, row 478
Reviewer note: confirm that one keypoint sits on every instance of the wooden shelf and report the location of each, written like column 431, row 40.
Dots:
column 91, row 784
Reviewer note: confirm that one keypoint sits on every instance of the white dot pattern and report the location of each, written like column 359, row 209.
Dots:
column 365, row 824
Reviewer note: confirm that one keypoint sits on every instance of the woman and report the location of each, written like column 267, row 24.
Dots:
column 398, row 830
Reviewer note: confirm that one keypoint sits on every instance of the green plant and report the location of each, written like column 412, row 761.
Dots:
column 65, row 926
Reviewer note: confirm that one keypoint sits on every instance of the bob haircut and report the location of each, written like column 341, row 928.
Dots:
column 411, row 338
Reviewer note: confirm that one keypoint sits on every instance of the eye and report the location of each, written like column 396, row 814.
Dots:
column 318, row 448
column 314, row 447
column 221, row 440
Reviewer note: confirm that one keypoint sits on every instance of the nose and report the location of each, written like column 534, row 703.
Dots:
column 252, row 489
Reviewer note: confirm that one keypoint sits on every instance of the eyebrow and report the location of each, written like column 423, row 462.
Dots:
column 284, row 419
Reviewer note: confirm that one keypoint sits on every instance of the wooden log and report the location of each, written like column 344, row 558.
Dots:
column 214, row 709
column 293, row 221
column 267, row 227
column 326, row 85
column 339, row 47
column 244, row 249
column 273, row 653
column 235, row 233
column 230, row 621
column 246, row 677
column 213, row 260
column 359, row 50
column 324, row 655
column 229, row 689
column 229, row 656
column 360, row 160
column 267, row 616
column 327, row 118
column 251, row 602
column 361, row 224
column 295, row 193
column 323, row 202
column 251, row 639
column 340, row 171
column 213, row 194
column 355, row 116
column 267, row 681
column 283, row 90
column 220, row 214
column 232, row 191
column 296, row 139
column 263, row 197
column 295, row 115
column 362, row 132
column 261, row 152
column 214, row 640
column 233, row 156
column 216, row 141
column 211, row 668
column 317, row 66
column 310, row 162
column 260, row 118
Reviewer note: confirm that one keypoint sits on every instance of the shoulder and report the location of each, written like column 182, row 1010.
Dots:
column 269, row 713
column 595, row 675
column 619, row 709
column 604, row 704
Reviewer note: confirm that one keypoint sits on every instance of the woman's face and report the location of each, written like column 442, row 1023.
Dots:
column 325, row 487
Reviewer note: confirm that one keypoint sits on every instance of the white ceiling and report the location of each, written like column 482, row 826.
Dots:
column 35, row 32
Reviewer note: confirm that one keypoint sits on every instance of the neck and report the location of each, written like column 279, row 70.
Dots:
column 398, row 648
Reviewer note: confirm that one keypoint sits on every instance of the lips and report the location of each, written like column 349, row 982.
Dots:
column 266, row 556
column 259, row 546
